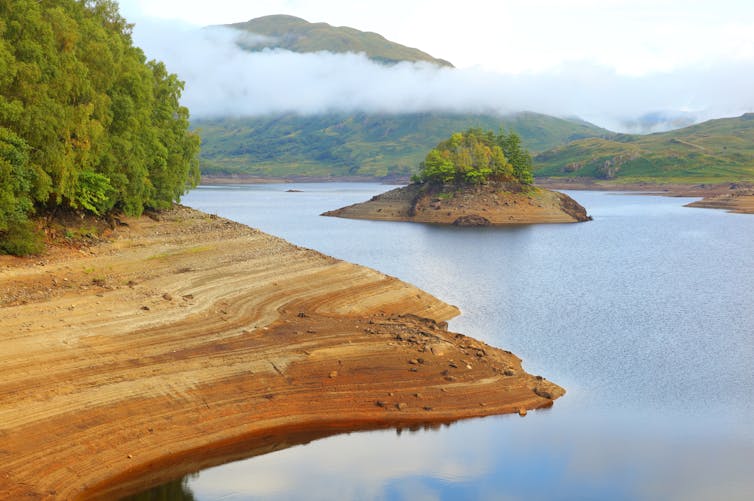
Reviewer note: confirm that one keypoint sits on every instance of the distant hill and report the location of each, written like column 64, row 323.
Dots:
column 298, row 35
column 359, row 144
column 719, row 150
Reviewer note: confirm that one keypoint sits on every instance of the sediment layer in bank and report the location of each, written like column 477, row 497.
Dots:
column 187, row 340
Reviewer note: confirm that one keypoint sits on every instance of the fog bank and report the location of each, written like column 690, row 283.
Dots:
column 224, row 80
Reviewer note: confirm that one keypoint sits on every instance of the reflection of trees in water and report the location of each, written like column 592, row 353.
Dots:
column 175, row 490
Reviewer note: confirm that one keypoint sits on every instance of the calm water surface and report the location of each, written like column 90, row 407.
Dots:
column 645, row 315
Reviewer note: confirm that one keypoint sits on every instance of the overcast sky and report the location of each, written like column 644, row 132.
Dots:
column 605, row 60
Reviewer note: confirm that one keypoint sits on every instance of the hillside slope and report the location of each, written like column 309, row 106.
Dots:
column 298, row 35
column 719, row 150
column 360, row 144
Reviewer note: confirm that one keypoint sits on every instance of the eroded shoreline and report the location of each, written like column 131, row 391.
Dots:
column 494, row 204
column 732, row 197
column 193, row 340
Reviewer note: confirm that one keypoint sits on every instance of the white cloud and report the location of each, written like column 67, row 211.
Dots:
column 223, row 80
column 634, row 37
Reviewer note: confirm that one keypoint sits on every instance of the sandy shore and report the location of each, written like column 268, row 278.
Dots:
column 189, row 341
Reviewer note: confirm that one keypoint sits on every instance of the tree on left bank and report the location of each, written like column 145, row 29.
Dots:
column 86, row 122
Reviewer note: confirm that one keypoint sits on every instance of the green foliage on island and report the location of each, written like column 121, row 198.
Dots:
column 297, row 35
column 359, row 144
column 715, row 151
column 477, row 157
column 86, row 122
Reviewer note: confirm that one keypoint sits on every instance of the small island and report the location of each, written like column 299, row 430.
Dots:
column 474, row 178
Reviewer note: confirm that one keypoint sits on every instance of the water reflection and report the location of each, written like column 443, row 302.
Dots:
column 496, row 458
column 176, row 490
column 644, row 315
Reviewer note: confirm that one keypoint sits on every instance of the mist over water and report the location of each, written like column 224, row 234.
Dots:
column 224, row 80
column 644, row 315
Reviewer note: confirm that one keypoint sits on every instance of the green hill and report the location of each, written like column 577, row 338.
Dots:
column 719, row 150
column 359, row 144
column 297, row 35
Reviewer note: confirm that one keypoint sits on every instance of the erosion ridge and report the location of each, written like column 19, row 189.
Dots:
column 191, row 340
column 469, row 205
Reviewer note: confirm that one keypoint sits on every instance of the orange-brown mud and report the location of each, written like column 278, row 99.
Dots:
column 190, row 341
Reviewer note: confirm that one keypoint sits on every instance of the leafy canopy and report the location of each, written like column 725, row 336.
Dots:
column 477, row 157
column 86, row 122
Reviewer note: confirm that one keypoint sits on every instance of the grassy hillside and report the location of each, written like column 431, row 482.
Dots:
column 714, row 151
column 298, row 35
column 359, row 144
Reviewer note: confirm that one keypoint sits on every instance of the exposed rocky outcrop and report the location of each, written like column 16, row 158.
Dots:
column 491, row 204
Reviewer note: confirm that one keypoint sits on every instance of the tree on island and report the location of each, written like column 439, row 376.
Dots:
column 86, row 122
column 477, row 157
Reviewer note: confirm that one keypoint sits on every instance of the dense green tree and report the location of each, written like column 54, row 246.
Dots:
column 86, row 122
column 15, row 179
column 517, row 155
column 477, row 157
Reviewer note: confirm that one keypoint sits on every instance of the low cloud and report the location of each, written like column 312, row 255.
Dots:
column 224, row 80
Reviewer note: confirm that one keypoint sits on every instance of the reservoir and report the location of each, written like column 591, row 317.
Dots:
column 645, row 315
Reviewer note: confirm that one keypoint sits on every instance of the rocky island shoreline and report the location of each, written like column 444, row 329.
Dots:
column 492, row 204
column 185, row 340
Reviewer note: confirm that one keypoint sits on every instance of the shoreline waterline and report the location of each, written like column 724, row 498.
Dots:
column 162, row 347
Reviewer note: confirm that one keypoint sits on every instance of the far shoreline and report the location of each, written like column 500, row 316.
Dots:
column 737, row 197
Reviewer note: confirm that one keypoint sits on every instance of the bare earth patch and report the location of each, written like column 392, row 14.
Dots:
column 495, row 204
column 191, row 340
